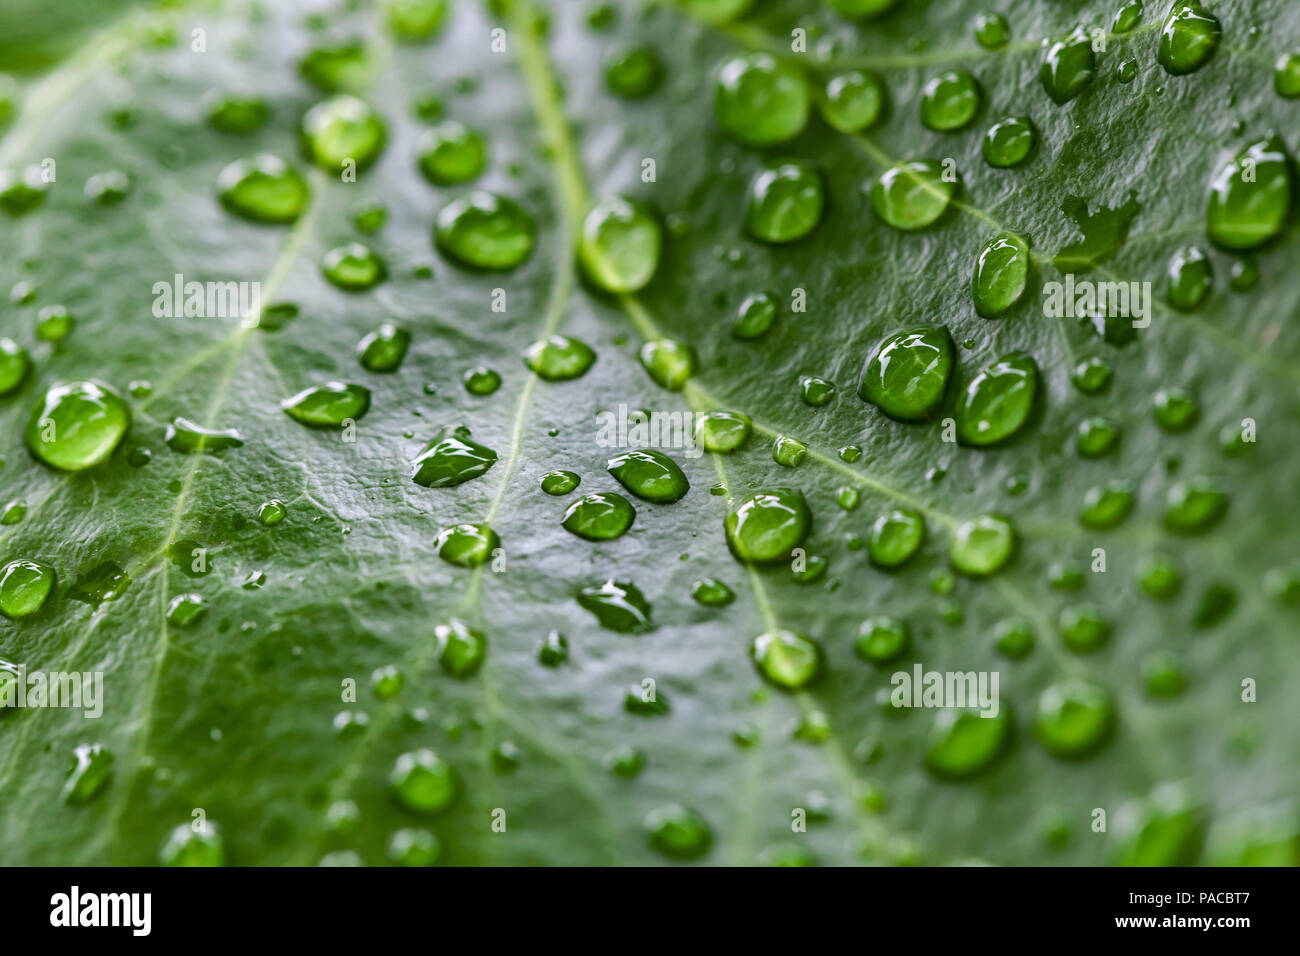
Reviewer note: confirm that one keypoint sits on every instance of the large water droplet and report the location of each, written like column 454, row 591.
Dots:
column 1286, row 75
column 558, row 358
column 895, row 537
column 914, row 194
column 678, row 832
column 619, row 606
column 950, row 101
column 466, row 545
column 25, row 586
column 908, row 374
column 451, row 153
column 331, row 405
column 341, row 131
column 461, row 648
column 484, row 231
column 1001, row 272
column 982, row 546
column 1188, row 39
column 190, row 438
column 77, row 425
column 964, row 743
column 998, row 401
column 599, row 516
column 1250, row 196
column 787, row 660
column 722, row 432
column 1069, row 67
column 263, row 189
column 767, row 525
column 1009, row 142
column 785, row 203
column 1195, row 505
column 450, row 458
column 761, row 101
column 669, row 362
column 854, row 101
column 423, row 782
column 650, row 475
column 619, row 246
column 1075, row 718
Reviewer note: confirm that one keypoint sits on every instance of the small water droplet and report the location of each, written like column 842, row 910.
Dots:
column 484, row 231
column 330, row 405
column 785, row 203
column 982, row 546
column 950, row 101
column 619, row 606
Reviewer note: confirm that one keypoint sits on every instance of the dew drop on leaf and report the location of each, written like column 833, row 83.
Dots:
column 484, row 231
column 189, row 438
column 342, row 130
column 907, row 376
column 722, row 432
column 785, row 659
column 1001, row 273
column 461, row 649
column 1250, row 196
column 599, row 516
column 1074, row 719
column 982, row 546
column 1069, row 67
column 785, row 203
column 263, row 189
column 1009, row 142
column 712, row 593
column 619, row 246
column 767, row 525
column 423, row 782
column 1188, row 39
column 559, row 482
column 760, row 100
column 384, row 349
column 330, row 405
column 25, row 586
column 353, row 267
column 558, row 358
column 15, row 364
column 634, row 73
column 669, row 362
column 650, row 475
column 914, row 194
column 466, row 545
column 882, row 639
column 854, row 101
column 895, row 537
column 963, row 743
column 756, row 316
column 199, row 843
column 92, row 766
column 618, row 606
column 678, row 832
column 451, row 153
column 950, row 101
column 77, row 425
column 452, row 457
column 998, row 401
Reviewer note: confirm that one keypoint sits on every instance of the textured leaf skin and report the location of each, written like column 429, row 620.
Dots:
column 234, row 716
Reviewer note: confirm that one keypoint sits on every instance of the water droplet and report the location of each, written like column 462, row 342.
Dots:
column 461, row 648
column 998, row 401
column 1107, row 505
column 1188, row 39
column 186, row 610
column 236, row 114
column 1083, row 627
column 423, row 782
column 1009, row 142
column 1069, row 67
column 895, row 537
column 22, row 191
column 25, row 586
column 787, row 660
column 881, row 639
column 1075, row 718
column 1159, row 579
column 1001, row 272
column 345, row 66
column 756, row 316
column 1195, row 506
column 54, row 323
column 991, row 31
column 451, row 458
column 484, row 231
column 854, row 101
column 451, row 153
column 788, row 451
column 554, row 649
column 264, row 189
column 342, row 130
column 194, row 844
column 1176, row 409
column 678, row 833
column 1191, row 279
column 950, row 101
column 271, row 512
column 1166, row 830
column 914, row 194
column 624, row 761
column 330, row 405
column 964, row 743
column 670, row 363
column 386, row 682
column 1283, row 585
column 767, row 525
column 848, row 498
column 415, row 21
column 1250, row 196
column 13, row 512
column 619, row 606
column 599, row 516
column 1096, row 437
column 558, row 358
column 634, row 73
column 1015, row 638
column 722, row 432
column 620, row 244
column 106, row 581
column 650, row 475
column 384, row 349
column 354, row 267
column 1216, row 603
column 712, row 593
column 1092, row 376
column 190, row 438
column 15, row 364
column 559, row 482
column 466, row 545
column 908, row 374
column 77, row 425
column 785, row 203
column 1286, row 75
column 92, row 766
column 761, row 101
column 982, row 546
column 850, row 453
column 1127, row 17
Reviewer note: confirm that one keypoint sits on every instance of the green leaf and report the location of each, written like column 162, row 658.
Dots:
column 292, row 671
